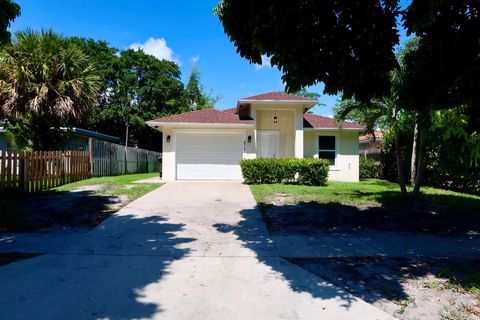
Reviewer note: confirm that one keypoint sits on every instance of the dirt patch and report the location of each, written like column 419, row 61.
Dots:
column 312, row 217
column 407, row 288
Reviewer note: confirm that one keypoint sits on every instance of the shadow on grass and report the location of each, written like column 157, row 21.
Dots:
column 55, row 209
column 113, row 274
column 421, row 216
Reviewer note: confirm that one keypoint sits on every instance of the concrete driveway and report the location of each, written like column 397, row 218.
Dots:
column 188, row 250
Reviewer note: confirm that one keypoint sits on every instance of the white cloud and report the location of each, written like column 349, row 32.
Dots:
column 157, row 48
column 265, row 63
column 194, row 59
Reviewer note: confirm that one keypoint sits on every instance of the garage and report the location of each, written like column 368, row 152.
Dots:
column 208, row 156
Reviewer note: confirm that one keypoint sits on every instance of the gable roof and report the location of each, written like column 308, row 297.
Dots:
column 314, row 121
column 204, row 116
column 277, row 96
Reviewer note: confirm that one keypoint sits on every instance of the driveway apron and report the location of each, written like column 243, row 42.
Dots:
column 188, row 250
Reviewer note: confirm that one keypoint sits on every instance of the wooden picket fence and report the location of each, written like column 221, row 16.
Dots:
column 41, row 170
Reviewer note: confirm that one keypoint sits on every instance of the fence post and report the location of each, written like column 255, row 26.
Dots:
column 90, row 156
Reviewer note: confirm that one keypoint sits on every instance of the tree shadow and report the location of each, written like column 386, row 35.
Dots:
column 104, row 275
column 56, row 210
column 419, row 217
column 252, row 234
column 370, row 278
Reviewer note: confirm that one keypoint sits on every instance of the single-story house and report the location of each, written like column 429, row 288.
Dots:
column 78, row 140
column 208, row 144
column 371, row 146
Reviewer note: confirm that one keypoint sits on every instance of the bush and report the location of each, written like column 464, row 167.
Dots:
column 287, row 170
column 313, row 172
column 368, row 169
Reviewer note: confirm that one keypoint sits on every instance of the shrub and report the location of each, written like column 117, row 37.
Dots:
column 314, row 172
column 368, row 169
column 287, row 170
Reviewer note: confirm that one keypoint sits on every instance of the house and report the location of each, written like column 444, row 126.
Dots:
column 208, row 144
column 78, row 140
column 371, row 146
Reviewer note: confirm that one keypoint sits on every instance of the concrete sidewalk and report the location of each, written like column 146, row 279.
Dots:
column 185, row 251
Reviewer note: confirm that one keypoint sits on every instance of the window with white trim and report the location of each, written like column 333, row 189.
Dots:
column 327, row 148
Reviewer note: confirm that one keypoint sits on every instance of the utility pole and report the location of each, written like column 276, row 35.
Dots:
column 126, row 142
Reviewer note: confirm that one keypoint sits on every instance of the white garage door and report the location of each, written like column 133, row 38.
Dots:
column 209, row 156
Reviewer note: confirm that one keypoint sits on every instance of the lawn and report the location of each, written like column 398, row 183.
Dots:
column 82, row 204
column 371, row 192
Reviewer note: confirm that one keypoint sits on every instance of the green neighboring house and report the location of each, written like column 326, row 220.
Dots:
column 78, row 141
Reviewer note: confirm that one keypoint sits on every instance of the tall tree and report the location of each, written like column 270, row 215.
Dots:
column 195, row 93
column 9, row 10
column 45, row 83
column 347, row 45
column 135, row 87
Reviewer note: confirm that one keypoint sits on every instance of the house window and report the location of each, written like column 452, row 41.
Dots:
column 327, row 148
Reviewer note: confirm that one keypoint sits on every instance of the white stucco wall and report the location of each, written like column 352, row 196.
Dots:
column 347, row 161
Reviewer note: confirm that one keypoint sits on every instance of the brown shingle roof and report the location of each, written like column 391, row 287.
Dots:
column 230, row 110
column 205, row 116
column 314, row 121
column 278, row 96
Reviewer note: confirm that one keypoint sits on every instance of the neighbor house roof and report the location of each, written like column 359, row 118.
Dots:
column 204, row 116
column 314, row 121
column 277, row 96
column 378, row 136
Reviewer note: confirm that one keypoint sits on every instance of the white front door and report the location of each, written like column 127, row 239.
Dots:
column 268, row 144
column 209, row 156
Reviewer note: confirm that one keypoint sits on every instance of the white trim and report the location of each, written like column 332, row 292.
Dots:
column 336, row 166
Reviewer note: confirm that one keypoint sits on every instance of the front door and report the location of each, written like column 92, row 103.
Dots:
column 268, row 144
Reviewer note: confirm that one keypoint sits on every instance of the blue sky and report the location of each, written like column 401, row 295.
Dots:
column 183, row 31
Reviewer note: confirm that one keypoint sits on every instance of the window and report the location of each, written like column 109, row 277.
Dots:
column 327, row 148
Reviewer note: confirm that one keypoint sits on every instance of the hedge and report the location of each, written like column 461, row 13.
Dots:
column 368, row 169
column 286, row 170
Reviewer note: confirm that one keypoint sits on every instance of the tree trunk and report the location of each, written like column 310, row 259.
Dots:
column 401, row 174
column 415, row 151
column 419, row 176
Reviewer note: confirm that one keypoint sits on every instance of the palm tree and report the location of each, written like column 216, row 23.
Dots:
column 384, row 110
column 45, row 81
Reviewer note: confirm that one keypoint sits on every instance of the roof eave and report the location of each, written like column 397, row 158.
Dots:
column 159, row 124
column 335, row 129
column 309, row 103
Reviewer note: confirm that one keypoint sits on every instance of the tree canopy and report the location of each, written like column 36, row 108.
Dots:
column 347, row 45
column 197, row 97
column 9, row 10
column 137, row 87
column 45, row 83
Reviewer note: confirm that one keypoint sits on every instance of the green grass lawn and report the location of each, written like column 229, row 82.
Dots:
column 116, row 185
column 371, row 192
column 64, row 206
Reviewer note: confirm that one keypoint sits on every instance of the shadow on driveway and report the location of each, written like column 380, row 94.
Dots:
column 96, row 280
